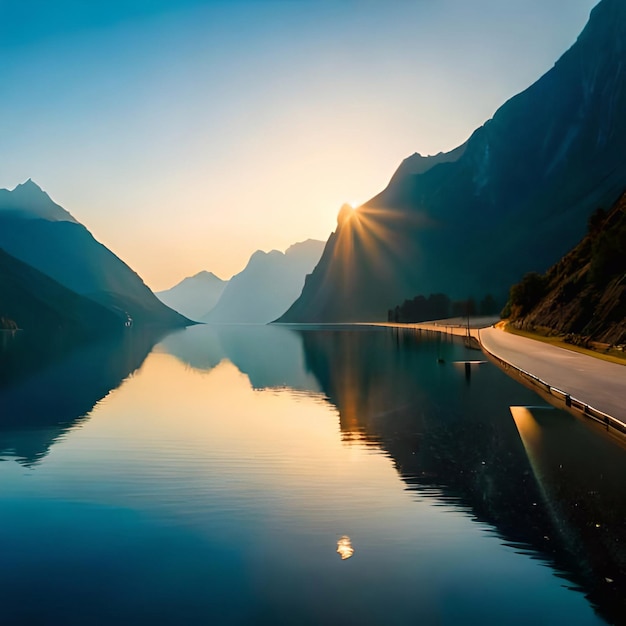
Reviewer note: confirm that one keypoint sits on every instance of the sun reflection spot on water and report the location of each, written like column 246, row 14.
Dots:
column 344, row 548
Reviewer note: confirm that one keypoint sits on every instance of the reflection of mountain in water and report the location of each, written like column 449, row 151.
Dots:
column 546, row 483
column 196, row 346
column 46, row 389
column 453, row 438
column 270, row 356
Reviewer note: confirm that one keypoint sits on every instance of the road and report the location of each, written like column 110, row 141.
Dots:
column 595, row 382
column 598, row 383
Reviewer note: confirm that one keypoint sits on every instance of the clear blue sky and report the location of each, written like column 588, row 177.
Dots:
column 186, row 134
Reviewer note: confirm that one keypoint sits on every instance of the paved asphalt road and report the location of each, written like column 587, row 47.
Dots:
column 598, row 383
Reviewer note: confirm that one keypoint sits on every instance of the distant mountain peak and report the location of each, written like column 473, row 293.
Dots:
column 31, row 188
column 260, row 256
column 195, row 295
column 206, row 275
column 308, row 245
column 29, row 184
column 30, row 201
column 267, row 286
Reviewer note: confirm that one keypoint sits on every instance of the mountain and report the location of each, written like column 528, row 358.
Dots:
column 30, row 202
column 418, row 164
column 43, row 235
column 513, row 199
column 269, row 283
column 38, row 304
column 195, row 295
column 584, row 294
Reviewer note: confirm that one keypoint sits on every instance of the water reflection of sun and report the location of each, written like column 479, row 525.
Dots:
column 344, row 548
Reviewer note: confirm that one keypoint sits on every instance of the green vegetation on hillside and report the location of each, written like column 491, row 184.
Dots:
column 583, row 296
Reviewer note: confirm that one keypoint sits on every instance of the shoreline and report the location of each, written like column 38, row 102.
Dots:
column 552, row 393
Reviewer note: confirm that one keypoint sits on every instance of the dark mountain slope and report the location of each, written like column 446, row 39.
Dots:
column 38, row 304
column 515, row 200
column 585, row 292
column 66, row 251
column 418, row 164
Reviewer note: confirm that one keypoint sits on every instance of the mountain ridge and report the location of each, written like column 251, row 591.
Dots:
column 268, row 284
column 195, row 295
column 515, row 200
column 64, row 250
column 28, row 199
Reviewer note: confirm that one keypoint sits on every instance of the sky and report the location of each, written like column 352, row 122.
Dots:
column 186, row 134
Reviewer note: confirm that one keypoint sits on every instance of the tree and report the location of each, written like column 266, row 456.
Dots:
column 527, row 293
column 421, row 309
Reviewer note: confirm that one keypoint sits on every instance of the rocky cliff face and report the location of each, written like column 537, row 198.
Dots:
column 584, row 294
column 514, row 199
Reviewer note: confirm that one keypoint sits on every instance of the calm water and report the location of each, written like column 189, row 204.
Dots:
column 263, row 475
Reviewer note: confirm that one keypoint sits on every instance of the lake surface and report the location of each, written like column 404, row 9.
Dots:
column 269, row 475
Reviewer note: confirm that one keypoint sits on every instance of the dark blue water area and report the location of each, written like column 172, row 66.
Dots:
column 262, row 475
column 69, row 563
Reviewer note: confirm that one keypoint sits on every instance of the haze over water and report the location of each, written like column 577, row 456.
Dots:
column 268, row 475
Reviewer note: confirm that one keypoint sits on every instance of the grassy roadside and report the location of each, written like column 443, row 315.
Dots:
column 613, row 356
